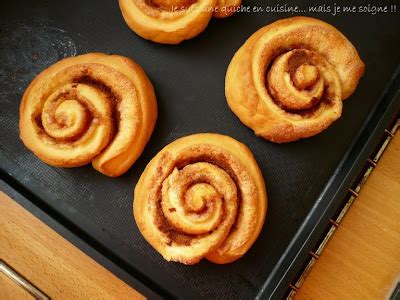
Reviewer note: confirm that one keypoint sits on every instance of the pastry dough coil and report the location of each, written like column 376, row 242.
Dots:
column 289, row 78
column 201, row 196
column 91, row 108
column 172, row 21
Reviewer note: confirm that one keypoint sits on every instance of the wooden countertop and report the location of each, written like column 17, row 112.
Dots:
column 361, row 261
column 50, row 262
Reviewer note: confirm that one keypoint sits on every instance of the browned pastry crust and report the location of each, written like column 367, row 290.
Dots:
column 201, row 196
column 90, row 108
column 172, row 21
column 289, row 78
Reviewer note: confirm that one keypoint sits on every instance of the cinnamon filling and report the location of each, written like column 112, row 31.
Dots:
column 191, row 156
column 113, row 98
column 61, row 120
column 304, row 75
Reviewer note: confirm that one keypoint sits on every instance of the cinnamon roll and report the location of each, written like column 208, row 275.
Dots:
column 172, row 21
column 201, row 196
column 289, row 78
column 90, row 108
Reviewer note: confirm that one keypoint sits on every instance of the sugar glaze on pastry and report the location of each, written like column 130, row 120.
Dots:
column 94, row 108
column 289, row 78
column 202, row 196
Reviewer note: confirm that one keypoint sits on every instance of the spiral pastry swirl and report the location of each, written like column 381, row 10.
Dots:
column 201, row 196
column 173, row 21
column 289, row 78
column 91, row 108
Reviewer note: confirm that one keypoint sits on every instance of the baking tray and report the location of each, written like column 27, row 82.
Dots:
column 306, row 180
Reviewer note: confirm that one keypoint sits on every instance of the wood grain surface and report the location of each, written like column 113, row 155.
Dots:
column 362, row 259
column 50, row 262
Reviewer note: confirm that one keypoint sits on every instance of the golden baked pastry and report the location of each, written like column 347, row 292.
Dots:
column 201, row 196
column 289, row 78
column 90, row 108
column 172, row 21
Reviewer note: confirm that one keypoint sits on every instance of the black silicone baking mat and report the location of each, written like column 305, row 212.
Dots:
column 306, row 180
